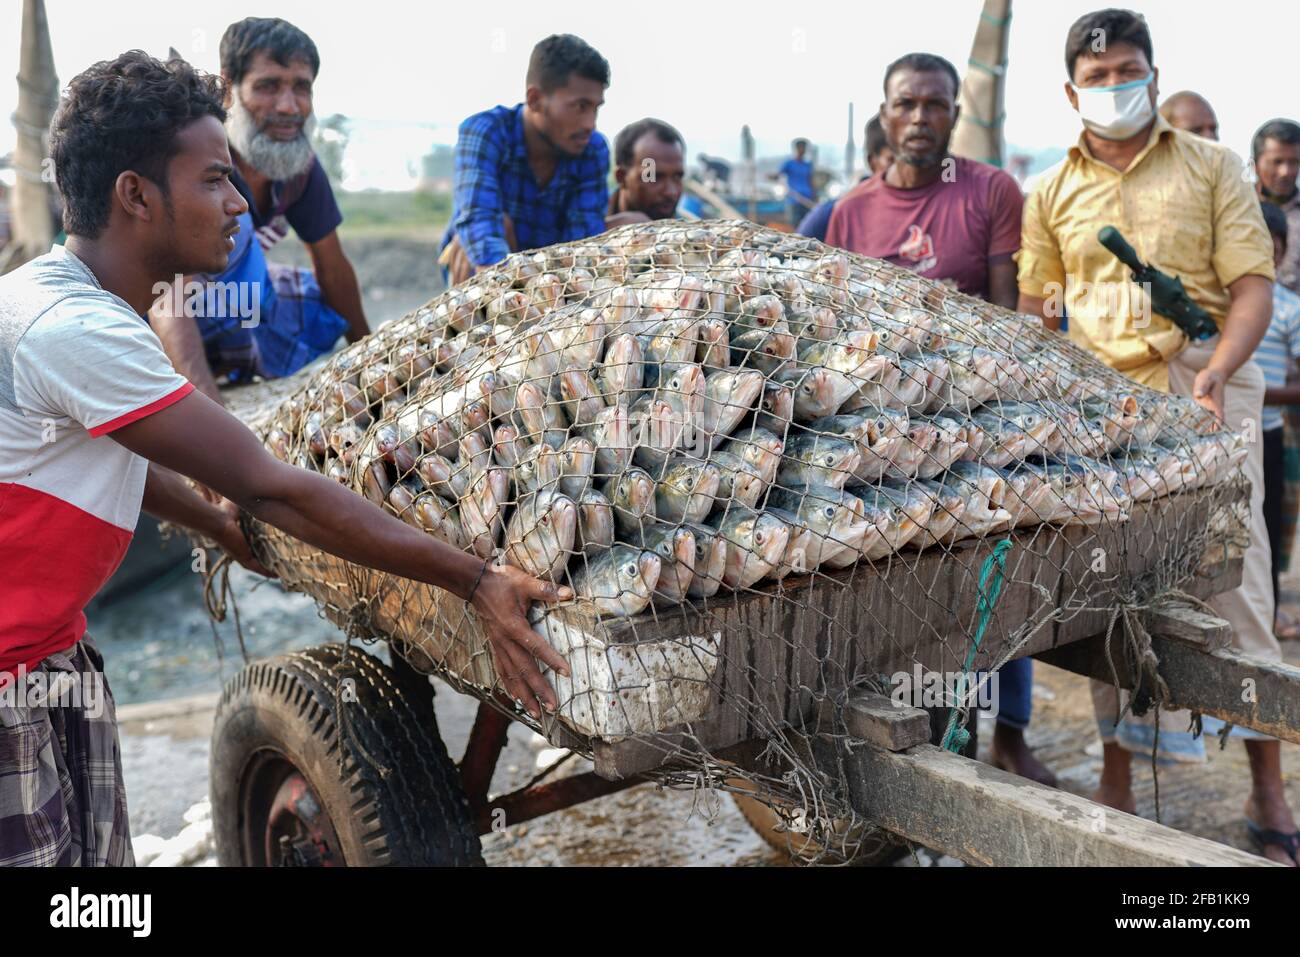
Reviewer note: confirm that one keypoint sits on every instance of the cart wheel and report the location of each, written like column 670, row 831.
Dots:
column 279, row 795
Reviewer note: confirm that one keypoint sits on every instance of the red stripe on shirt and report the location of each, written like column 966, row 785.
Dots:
column 143, row 411
column 54, row 557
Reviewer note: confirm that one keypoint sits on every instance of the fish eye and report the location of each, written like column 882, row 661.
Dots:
column 807, row 388
column 829, row 510
column 758, row 538
column 629, row 570
column 830, row 459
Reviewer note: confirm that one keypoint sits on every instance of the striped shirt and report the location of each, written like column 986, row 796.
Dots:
column 492, row 177
column 1279, row 349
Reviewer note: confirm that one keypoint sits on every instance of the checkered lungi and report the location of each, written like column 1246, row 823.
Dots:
column 62, row 800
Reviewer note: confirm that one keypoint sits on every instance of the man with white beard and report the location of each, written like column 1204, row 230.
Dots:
column 260, row 318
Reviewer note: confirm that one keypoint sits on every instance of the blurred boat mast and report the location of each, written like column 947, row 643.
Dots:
column 33, row 226
column 978, row 135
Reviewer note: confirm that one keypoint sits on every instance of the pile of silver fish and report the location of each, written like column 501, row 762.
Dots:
column 676, row 410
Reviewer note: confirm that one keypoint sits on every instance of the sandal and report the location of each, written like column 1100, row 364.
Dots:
column 1286, row 627
column 1264, row 837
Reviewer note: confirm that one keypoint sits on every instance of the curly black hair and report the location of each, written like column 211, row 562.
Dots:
column 123, row 114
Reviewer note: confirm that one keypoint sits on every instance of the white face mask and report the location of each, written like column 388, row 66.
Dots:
column 1116, row 112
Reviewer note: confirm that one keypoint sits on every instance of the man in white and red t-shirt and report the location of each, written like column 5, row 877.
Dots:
column 95, row 422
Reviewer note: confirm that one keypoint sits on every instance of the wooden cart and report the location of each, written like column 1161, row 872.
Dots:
column 303, row 772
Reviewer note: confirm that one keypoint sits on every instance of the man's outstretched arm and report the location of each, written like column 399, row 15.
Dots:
column 199, row 439
column 338, row 284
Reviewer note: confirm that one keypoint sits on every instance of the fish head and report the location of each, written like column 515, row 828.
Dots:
column 736, row 388
column 641, row 574
column 922, row 435
column 529, row 395
column 558, row 521
column 778, row 400
column 579, row 455
column 684, row 378
column 680, row 547
column 813, row 393
column 637, row 490
column 769, row 537
column 829, row 452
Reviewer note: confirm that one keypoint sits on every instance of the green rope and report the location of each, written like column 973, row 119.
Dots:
column 998, row 70
column 981, row 122
column 996, row 21
column 955, row 738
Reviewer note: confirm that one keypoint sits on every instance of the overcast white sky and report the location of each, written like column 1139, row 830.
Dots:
column 412, row 71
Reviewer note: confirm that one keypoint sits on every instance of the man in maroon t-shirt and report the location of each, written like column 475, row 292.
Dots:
column 958, row 221
column 944, row 216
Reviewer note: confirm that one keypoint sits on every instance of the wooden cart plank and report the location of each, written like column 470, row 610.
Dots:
column 985, row 816
column 1243, row 690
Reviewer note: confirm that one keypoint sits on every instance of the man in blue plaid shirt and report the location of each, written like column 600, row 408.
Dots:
column 536, row 173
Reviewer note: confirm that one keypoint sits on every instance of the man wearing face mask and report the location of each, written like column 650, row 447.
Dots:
column 1185, row 206
column 536, row 173
column 261, row 318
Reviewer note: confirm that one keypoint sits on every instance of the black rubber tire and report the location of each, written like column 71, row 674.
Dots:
column 416, row 814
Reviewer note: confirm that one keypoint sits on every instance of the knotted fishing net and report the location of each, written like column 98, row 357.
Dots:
column 774, row 473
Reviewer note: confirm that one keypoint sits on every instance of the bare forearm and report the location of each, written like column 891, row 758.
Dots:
column 184, row 347
column 169, row 498
column 1243, row 328
column 323, row 513
column 1002, row 282
column 1288, row 394
column 230, row 460
column 342, row 293
column 1033, row 306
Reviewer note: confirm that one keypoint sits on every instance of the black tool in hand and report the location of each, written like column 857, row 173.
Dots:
column 1168, row 297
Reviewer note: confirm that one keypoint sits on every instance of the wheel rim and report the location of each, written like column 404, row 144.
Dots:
column 284, row 822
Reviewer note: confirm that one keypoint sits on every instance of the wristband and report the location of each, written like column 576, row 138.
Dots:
column 476, row 583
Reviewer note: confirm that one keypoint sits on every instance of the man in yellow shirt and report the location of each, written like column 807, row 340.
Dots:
column 1184, row 204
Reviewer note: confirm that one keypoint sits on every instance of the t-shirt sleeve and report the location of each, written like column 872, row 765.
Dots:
column 1291, row 304
column 1242, row 246
column 315, row 214
column 94, row 362
column 1040, row 263
column 1006, row 212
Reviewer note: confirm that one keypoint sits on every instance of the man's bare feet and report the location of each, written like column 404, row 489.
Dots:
column 1121, row 799
column 1267, row 807
column 1116, row 786
column 1010, row 753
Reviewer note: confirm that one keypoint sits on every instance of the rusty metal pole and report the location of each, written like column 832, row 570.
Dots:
column 486, row 739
